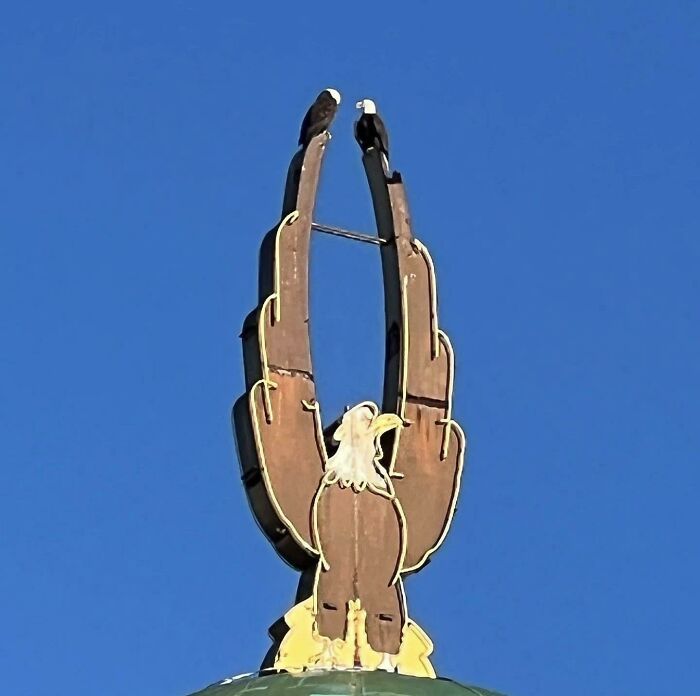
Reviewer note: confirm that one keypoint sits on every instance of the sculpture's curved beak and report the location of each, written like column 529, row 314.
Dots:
column 385, row 422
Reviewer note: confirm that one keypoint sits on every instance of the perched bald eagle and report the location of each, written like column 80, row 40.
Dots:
column 370, row 131
column 319, row 116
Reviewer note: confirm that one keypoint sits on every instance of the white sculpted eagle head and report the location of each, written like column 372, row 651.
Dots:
column 356, row 461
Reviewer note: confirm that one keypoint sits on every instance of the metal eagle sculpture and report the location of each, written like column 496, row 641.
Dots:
column 358, row 506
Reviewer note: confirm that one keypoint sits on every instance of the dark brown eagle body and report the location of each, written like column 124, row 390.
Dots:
column 319, row 116
column 370, row 131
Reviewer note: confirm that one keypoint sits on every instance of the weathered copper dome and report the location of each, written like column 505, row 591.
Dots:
column 341, row 683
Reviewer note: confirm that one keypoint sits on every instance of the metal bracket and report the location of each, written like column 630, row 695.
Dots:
column 348, row 234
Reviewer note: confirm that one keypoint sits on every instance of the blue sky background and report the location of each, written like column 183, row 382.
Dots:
column 551, row 154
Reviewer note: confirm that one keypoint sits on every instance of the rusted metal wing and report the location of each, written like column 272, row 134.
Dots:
column 425, row 457
column 277, row 423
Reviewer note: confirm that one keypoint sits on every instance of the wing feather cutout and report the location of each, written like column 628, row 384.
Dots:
column 277, row 425
column 425, row 458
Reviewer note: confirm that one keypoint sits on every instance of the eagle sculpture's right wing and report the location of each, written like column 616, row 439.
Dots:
column 425, row 457
column 277, row 422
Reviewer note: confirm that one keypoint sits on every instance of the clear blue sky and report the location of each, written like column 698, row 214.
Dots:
column 551, row 154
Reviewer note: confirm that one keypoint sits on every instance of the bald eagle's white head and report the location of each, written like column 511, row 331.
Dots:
column 334, row 93
column 367, row 106
column 356, row 461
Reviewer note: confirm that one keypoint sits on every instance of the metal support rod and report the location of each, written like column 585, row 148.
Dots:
column 348, row 234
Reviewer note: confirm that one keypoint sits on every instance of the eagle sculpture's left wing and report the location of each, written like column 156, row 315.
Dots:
column 425, row 457
column 277, row 422
column 428, row 451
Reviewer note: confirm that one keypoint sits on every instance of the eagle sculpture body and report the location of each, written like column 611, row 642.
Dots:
column 354, row 491
column 357, row 507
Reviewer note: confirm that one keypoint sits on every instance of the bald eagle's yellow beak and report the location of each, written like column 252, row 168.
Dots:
column 385, row 422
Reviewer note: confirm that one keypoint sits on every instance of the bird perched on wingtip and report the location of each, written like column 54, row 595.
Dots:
column 370, row 131
column 319, row 116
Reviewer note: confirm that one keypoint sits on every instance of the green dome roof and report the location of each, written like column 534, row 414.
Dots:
column 341, row 683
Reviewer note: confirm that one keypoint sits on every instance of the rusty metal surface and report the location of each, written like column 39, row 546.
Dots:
column 353, row 544
column 280, row 461
column 418, row 384
column 361, row 537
